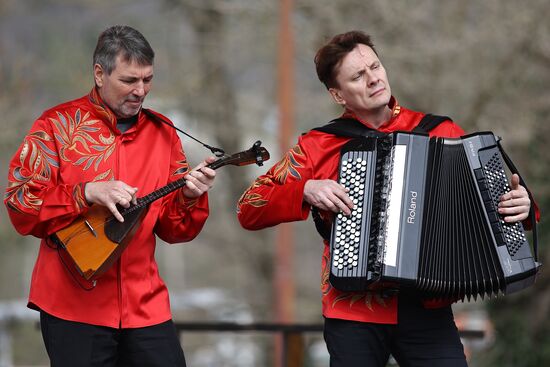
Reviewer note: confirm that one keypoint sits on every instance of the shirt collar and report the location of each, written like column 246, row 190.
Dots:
column 101, row 108
column 394, row 106
column 103, row 111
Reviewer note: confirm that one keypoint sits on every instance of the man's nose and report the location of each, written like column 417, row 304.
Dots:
column 372, row 78
column 139, row 89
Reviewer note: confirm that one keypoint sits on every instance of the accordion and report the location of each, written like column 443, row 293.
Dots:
column 425, row 218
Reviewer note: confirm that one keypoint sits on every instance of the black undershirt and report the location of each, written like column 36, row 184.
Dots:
column 125, row 124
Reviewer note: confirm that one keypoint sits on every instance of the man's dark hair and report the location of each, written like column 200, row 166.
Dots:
column 330, row 56
column 125, row 40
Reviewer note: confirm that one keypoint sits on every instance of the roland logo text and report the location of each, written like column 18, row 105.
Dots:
column 412, row 207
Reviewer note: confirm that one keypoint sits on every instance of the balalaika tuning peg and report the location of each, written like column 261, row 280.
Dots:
column 256, row 147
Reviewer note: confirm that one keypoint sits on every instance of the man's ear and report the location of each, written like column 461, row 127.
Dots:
column 336, row 96
column 99, row 73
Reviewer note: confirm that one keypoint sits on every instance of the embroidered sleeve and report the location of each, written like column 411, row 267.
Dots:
column 277, row 196
column 37, row 202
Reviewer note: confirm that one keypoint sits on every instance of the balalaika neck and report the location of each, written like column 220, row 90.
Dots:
column 155, row 195
column 163, row 191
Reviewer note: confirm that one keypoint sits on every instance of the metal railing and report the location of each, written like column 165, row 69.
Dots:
column 293, row 350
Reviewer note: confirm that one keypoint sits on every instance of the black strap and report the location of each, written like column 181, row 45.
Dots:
column 532, row 216
column 348, row 128
column 320, row 225
column 351, row 128
column 430, row 122
column 218, row 152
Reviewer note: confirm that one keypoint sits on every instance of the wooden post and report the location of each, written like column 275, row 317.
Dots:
column 283, row 282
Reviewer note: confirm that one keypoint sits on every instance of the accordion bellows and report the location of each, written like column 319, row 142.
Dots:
column 425, row 218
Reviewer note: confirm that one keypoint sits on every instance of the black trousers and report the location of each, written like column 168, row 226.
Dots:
column 421, row 338
column 74, row 344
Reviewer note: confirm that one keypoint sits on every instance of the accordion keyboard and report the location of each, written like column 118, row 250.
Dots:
column 493, row 184
column 348, row 233
column 355, row 238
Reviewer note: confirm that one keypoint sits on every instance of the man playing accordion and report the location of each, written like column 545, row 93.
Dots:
column 361, row 328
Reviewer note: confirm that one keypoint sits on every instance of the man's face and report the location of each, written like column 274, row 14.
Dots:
column 363, row 85
column 125, row 89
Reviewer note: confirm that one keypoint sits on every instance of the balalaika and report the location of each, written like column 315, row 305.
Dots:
column 426, row 218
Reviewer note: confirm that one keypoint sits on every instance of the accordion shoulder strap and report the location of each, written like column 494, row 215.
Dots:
column 351, row 128
column 532, row 216
column 322, row 228
column 430, row 122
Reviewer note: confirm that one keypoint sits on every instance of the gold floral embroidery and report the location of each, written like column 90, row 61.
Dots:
column 73, row 134
column 280, row 172
column 288, row 165
column 325, row 276
column 105, row 176
column 76, row 145
column 79, row 197
column 183, row 168
column 367, row 298
column 35, row 167
column 251, row 198
column 352, row 297
column 101, row 109
column 185, row 201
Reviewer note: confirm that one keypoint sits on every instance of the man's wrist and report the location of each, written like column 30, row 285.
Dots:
column 86, row 193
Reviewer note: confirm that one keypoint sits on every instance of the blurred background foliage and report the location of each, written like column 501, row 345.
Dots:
column 484, row 63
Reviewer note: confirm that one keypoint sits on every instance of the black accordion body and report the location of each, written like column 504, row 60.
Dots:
column 426, row 218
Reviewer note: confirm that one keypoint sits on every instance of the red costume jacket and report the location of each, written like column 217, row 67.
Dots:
column 78, row 142
column 277, row 197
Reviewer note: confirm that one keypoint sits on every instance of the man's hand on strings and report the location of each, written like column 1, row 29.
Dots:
column 515, row 204
column 200, row 179
column 109, row 194
column 328, row 195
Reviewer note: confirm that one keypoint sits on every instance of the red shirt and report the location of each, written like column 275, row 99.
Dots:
column 277, row 197
column 78, row 142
